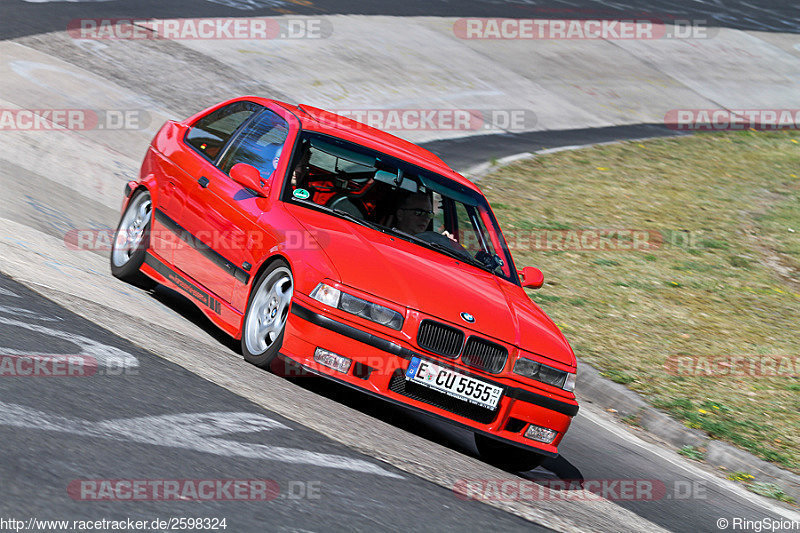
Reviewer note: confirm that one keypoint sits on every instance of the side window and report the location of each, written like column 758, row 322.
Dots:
column 260, row 144
column 209, row 134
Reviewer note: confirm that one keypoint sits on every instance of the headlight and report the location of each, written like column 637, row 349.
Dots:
column 354, row 305
column 551, row 376
column 546, row 374
column 351, row 304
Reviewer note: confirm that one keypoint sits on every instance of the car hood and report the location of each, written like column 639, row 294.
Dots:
column 434, row 284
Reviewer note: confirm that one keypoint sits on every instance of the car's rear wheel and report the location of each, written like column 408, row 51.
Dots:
column 131, row 241
column 267, row 312
column 507, row 456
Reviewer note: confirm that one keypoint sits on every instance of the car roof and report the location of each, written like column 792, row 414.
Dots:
column 322, row 121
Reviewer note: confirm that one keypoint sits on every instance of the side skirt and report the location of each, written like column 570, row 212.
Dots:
column 221, row 314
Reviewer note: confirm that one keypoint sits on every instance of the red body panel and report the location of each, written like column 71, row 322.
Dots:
column 210, row 241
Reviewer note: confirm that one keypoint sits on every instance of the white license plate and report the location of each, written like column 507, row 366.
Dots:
column 454, row 383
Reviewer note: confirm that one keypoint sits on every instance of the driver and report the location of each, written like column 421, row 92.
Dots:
column 301, row 170
column 414, row 214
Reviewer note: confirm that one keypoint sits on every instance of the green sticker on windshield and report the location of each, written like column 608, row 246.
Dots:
column 301, row 194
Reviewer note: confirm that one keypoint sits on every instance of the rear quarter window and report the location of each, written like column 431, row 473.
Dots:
column 210, row 133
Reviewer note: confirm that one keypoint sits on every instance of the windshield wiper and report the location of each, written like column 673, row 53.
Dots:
column 343, row 214
column 353, row 218
column 465, row 257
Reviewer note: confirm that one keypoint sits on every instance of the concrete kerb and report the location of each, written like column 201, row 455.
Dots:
column 478, row 172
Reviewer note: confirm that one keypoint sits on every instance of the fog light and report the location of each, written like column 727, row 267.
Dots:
column 540, row 434
column 332, row 360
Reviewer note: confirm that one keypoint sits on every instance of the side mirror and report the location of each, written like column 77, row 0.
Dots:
column 249, row 176
column 532, row 278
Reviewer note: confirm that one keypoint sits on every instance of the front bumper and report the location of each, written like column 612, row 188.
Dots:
column 379, row 366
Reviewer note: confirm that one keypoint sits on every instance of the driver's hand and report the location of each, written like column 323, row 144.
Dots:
column 450, row 236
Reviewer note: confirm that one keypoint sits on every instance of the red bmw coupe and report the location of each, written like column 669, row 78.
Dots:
column 355, row 255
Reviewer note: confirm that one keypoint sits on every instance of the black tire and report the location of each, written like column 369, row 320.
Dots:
column 264, row 322
column 126, row 261
column 507, row 456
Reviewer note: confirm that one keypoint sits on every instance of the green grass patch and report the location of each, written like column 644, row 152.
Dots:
column 618, row 376
column 727, row 208
column 741, row 477
column 770, row 490
column 544, row 298
column 692, row 453
column 540, row 224
column 738, row 261
column 579, row 302
column 632, row 420
column 605, row 262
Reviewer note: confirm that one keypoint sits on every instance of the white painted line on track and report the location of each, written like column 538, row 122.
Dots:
column 6, row 292
column 27, row 313
column 190, row 431
column 105, row 355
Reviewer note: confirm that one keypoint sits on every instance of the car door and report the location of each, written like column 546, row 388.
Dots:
column 222, row 215
column 193, row 157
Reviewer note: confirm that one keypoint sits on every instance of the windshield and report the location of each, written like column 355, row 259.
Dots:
column 394, row 196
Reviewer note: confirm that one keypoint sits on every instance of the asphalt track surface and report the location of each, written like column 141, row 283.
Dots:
column 467, row 152
column 44, row 431
column 146, row 422
column 26, row 17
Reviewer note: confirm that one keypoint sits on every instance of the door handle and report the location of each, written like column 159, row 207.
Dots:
column 203, row 181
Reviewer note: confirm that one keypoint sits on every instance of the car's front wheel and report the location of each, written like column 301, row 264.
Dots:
column 507, row 456
column 267, row 312
column 131, row 241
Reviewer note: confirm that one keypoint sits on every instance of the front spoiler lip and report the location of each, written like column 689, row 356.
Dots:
column 420, row 410
column 523, row 395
